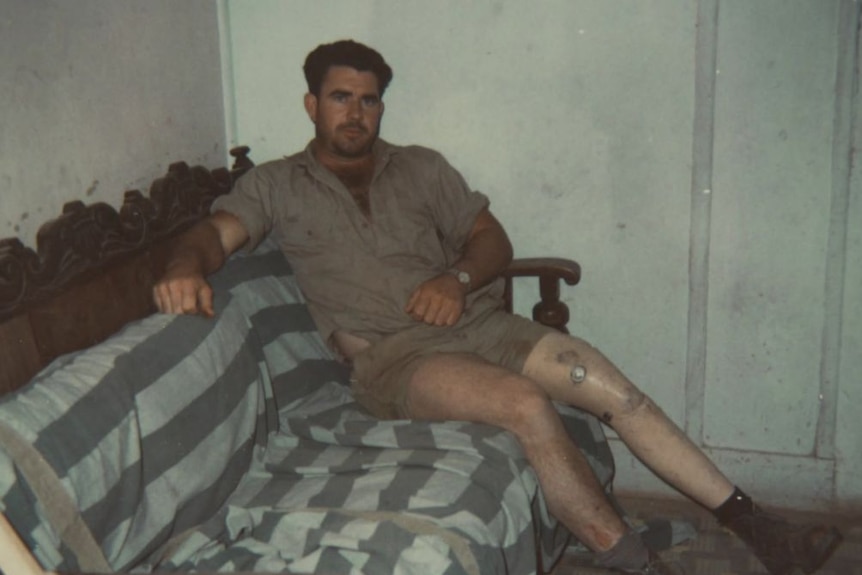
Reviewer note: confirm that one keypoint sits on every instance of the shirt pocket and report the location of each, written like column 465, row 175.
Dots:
column 312, row 225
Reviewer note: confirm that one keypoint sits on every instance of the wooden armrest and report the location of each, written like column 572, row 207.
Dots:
column 549, row 310
column 241, row 162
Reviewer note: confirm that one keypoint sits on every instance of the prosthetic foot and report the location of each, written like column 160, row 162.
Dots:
column 783, row 548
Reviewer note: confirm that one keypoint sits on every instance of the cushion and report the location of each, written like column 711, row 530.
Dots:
column 149, row 432
column 233, row 444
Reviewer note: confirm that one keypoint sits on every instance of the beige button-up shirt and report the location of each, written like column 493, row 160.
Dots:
column 358, row 273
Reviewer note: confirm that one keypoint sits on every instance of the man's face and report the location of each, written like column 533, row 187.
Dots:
column 347, row 113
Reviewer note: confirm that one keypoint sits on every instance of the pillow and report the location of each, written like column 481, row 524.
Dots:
column 149, row 432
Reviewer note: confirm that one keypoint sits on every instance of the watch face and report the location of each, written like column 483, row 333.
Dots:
column 462, row 276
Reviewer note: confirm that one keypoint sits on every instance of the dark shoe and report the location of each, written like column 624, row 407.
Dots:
column 783, row 547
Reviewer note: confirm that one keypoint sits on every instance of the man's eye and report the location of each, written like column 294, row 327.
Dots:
column 341, row 98
column 370, row 101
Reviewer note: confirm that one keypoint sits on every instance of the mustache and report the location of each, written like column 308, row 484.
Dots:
column 352, row 126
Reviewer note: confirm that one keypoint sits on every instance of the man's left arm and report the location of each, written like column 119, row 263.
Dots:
column 441, row 299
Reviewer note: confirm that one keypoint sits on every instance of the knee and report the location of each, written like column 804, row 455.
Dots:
column 579, row 358
column 600, row 380
column 530, row 406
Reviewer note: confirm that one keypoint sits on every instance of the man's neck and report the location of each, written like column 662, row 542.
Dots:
column 338, row 163
column 355, row 173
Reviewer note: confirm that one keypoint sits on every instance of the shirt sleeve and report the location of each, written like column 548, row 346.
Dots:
column 455, row 205
column 250, row 201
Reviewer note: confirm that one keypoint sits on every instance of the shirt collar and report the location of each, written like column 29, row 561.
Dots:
column 382, row 150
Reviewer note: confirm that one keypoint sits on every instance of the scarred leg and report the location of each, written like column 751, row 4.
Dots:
column 465, row 387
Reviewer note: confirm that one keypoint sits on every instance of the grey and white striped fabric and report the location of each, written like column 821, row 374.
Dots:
column 233, row 444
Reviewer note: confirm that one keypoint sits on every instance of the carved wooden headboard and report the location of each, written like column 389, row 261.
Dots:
column 63, row 296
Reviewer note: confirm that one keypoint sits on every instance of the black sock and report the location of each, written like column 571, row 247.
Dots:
column 629, row 553
column 737, row 505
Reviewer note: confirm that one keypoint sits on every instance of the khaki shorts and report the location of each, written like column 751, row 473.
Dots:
column 381, row 372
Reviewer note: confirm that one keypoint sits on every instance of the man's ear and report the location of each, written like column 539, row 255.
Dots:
column 310, row 102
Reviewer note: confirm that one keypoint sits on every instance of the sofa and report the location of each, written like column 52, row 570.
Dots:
column 132, row 441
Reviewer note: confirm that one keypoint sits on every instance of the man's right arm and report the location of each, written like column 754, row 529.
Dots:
column 199, row 252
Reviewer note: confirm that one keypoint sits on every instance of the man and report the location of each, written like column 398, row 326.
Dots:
column 399, row 261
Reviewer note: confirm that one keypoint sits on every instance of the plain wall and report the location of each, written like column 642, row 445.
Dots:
column 99, row 97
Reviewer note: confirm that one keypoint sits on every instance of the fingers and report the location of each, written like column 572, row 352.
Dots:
column 162, row 304
column 434, row 306
column 205, row 297
column 446, row 315
column 184, row 296
column 188, row 301
column 429, row 311
column 453, row 316
column 413, row 302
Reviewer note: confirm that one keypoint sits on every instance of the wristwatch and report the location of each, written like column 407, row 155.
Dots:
column 462, row 276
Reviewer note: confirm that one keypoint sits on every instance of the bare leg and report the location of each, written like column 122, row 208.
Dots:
column 467, row 388
column 640, row 423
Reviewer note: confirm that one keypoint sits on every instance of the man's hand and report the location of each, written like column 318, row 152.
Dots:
column 438, row 301
column 184, row 293
column 441, row 300
column 198, row 253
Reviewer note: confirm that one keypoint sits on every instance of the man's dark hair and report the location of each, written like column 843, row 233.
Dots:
column 345, row 53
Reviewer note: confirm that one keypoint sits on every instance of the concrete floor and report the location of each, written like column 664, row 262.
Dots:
column 716, row 552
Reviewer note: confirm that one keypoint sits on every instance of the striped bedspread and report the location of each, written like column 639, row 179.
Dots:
column 233, row 444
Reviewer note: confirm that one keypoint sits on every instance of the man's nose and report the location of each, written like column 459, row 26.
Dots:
column 354, row 109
